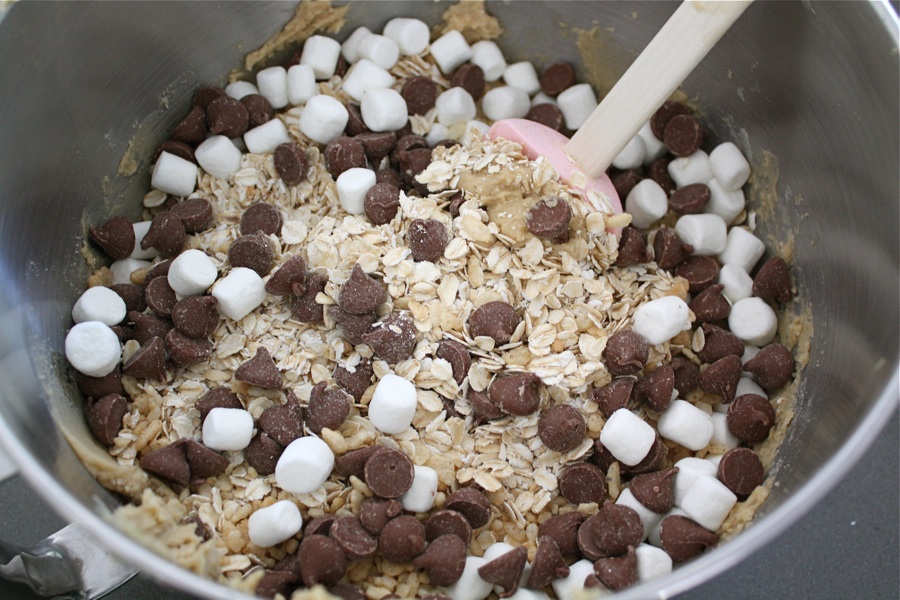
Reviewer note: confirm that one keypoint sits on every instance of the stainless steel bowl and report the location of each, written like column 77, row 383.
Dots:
column 814, row 84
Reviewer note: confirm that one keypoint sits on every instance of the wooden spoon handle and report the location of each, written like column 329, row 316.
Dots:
column 688, row 35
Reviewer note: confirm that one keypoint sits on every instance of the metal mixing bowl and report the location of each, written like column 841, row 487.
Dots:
column 814, row 84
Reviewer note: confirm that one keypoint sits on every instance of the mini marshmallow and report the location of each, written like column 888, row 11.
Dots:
column 475, row 125
column 487, row 55
column 93, row 349
column 266, row 137
column 227, row 429
column 470, row 585
column 746, row 385
column 321, row 53
column 366, row 75
column 689, row 469
column 219, row 157
column 304, row 465
column 274, row 524
column 542, row 98
column 523, row 76
column 706, row 233
column 393, row 404
column 505, row 102
column 420, row 496
column 352, row 186
column 191, row 273
column 653, row 538
column 653, row 146
column 572, row 587
column 99, row 303
column 648, row 518
column 754, row 321
column 685, row 424
column 383, row 110
column 577, row 103
column 742, row 249
column 708, row 502
column 496, row 550
column 627, row 437
column 140, row 230
column 351, row 44
column 721, row 434
column 738, row 283
column 411, row 35
column 647, row 202
column 632, row 155
column 239, row 89
column 450, row 51
column 272, row 84
column 301, row 84
column 652, row 562
column 174, row 175
column 239, row 293
column 749, row 352
column 122, row 269
column 381, row 50
column 727, row 204
column 436, row 134
column 323, row 118
column 729, row 166
column 662, row 319
column 691, row 169
column 455, row 106
column 714, row 459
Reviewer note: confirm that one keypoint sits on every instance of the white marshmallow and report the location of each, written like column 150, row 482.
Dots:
column 652, row 562
column 140, row 230
column 272, row 84
column 239, row 293
column 383, row 110
column 738, row 283
column 174, row 175
column 304, row 465
column 496, row 550
column 410, row 35
column 191, row 273
column 239, row 89
column 274, row 524
column 708, row 502
column 729, row 166
column 219, row 157
column 363, row 76
column 647, row 202
column 455, row 106
column 352, row 186
column 627, row 437
column 749, row 352
column 475, row 125
column 572, row 587
column 436, row 134
column 714, row 459
column 653, row 146
column 523, row 76
column 727, row 204
column 576, row 104
column 662, row 319
column 505, row 102
column 393, row 404
column 742, row 249
column 93, row 348
column 350, row 46
column 301, row 84
column 542, row 98
column 685, row 424
column 689, row 469
column 746, row 385
column 99, row 303
column 632, row 155
column 227, row 429
column 450, row 51
column 323, row 118
column 420, row 496
column 470, row 586
column 648, row 518
column 381, row 50
column 691, row 169
column 122, row 269
column 754, row 321
column 721, row 434
column 487, row 55
column 706, row 233
column 653, row 538
column 266, row 137
column 321, row 53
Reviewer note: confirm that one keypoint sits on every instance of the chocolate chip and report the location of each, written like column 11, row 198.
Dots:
column 192, row 129
column 683, row 135
column 200, row 528
column 448, row 522
column 175, row 148
column 690, row 199
column 168, row 462
column 195, row 214
column 97, row 387
column 160, row 269
column 318, row 526
column 227, row 116
column 355, row 382
column 377, row 145
column 655, row 389
column 471, row 503
column 304, row 306
column 497, row 320
column 613, row 396
column 719, row 343
column 517, row 394
column 721, row 377
column 252, row 252
column 456, row 200
column 618, row 572
column 263, row 453
column 483, row 409
column 610, row 531
column 393, row 338
column 132, row 295
column 741, row 471
column 469, row 77
column 291, row 273
column 160, row 297
column 204, row 463
column 276, row 582
column 505, row 570
column 374, row 513
column 361, row 293
column 403, row 539
column 773, row 281
column 353, row 539
column 354, row 462
column 205, row 95
column 687, row 375
column 185, row 351
column 407, row 142
column 342, row 154
column 655, row 459
column 382, row 203
column 388, row 175
column 353, row 327
column 632, row 248
column 458, row 357
column 283, row 423
column 549, row 219
column 750, row 418
column 772, row 367
column 582, row 483
column 327, row 409
column 147, row 326
column 427, row 239
column 420, row 93
column 624, row 182
column 656, row 491
column 663, row 115
column 104, row 417
column 659, row 172
column 443, row 561
column 561, row 428
column 563, row 529
column 355, row 123
column 261, row 217
column 260, row 371
column 683, row 538
column 217, row 397
column 259, row 110
column 700, row 272
column 710, row 305
column 291, row 163
column 626, row 353
column 410, row 163
column 321, row 561
column 196, row 317
column 166, row 234
column 548, row 564
column 115, row 237
column 547, row 115
column 389, row 473
column 149, row 362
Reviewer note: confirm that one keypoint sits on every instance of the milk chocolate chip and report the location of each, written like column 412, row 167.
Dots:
column 263, row 453
column 354, row 462
column 389, row 474
column 722, row 377
column 353, row 327
column 291, row 163
column 617, row 572
column 557, row 78
column 656, row 491
column 160, row 297
column 355, row 123
column 357, row 381
column 185, row 351
column 327, row 408
column 564, row 531
column 252, row 252
column 353, row 539
column 166, row 235
column 204, row 463
column 115, row 237
column 548, row 564
column 149, row 362
column 561, row 427
column 176, row 148
column 683, row 538
column 613, row 396
column 321, row 561
column 626, row 353
column 205, row 95
column 291, row 273
column 458, row 357
column 259, row 110
column 632, row 248
column 669, row 249
column 483, row 409
column 625, row 181
column 195, row 214
column 497, row 320
column 427, row 239
column 710, row 304
column 610, row 532
column 191, row 129
column 741, row 471
column 469, row 77
column 750, row 418
column 772, row 367
column 361, row 293
column 663, row 115
column 773, row 281
column 687, row 374
column 342, row 154
column 261, row 217
column 304, row 306
column 374, row 513
column 382, row 203
column 700, row 271
column 227, row 116
column 276, row 582
column 506, row 570
column 420, row 93
column 583, row 483
column 97, row 387
column 217, row 397
column 448, row 522
column 472, row 504
column 283, row 423
column 719, row 343
column 683, row 135
column 377, row 145
column 260, row 371
column 517, row 394
column 104, row 416
column 393, row 338
column 655, row 389
column 196, row 317
column 690, row 199
column 547, row 115
column 549, row 219
column 443, row 561
column 659, row 172
column 168, row 462
column 403, row 539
